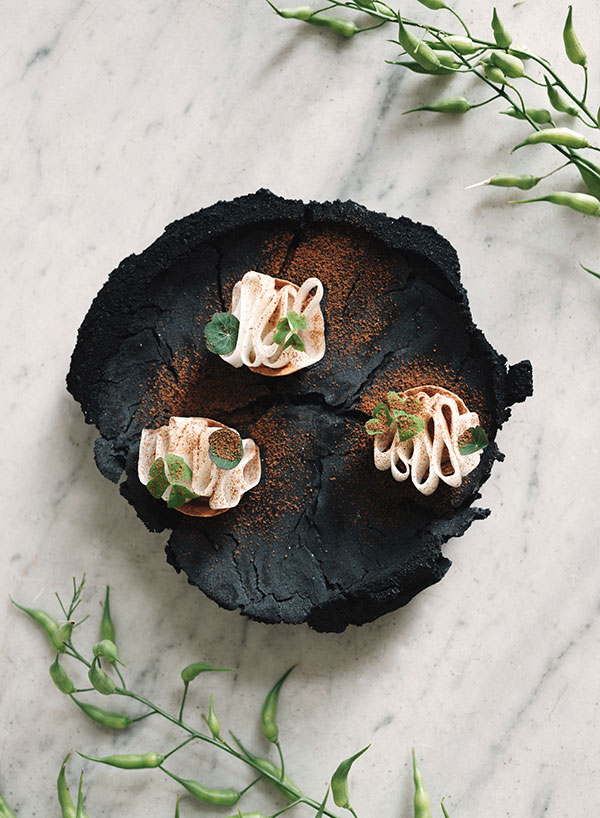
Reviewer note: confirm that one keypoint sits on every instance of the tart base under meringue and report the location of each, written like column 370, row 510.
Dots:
column 259, row 301
column 432, row 455
column 218, row 489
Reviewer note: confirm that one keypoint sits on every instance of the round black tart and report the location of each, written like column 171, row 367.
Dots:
column 324, row 538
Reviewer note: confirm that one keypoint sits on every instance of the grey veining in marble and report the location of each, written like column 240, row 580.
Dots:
column 117, row 119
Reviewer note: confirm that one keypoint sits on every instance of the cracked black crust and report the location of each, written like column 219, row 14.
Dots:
column 336, row 559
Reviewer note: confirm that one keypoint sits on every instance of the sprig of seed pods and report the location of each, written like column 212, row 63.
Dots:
column 266, row 770
column 502, row 66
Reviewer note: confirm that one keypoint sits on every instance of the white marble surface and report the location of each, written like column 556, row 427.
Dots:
column 117, row 119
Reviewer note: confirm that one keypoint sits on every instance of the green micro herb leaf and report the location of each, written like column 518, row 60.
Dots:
column 178, row 468
column 292, row 323
column 226, row 448
column 296, row 321
column 381, row 420
column 408, row 425
column 159, row 482
column 473, row 440
column 221, row 333
column 294, row 341
column 179, row 495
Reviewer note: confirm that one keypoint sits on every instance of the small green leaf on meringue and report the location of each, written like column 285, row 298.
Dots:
column 473, row 440
column 221, row 333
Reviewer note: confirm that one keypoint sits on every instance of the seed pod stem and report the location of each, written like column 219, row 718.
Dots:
column 573, row 47
column 107, row 626
column 339, row 780
column 581, row 202
column 269, row 710
column 421, row 798
column 117, row 721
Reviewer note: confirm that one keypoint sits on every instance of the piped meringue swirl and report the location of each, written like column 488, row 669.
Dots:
column 259, row 301
column 217, row 489
column 433, row 454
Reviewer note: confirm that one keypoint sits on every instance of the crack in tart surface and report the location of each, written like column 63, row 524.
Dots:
column 325, row 537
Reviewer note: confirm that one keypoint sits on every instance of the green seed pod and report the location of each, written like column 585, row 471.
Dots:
column 555, row 136
column 269, row 711
column 60, row 677
column 448, row 59
column 442, row 71
column 107, row 627
column 108, row 649
column 509, row 65
column 558, row 102
column 63, row 635
column 451, row 105
column 43, row 619
column 501, row 35
column 118, row 721
column 67, row 807
column 5, row 810
column 286, row 786
column 146, row 761
column 434, row 5
column 299, row 13
column 346, row 28
column 421, row 799
column 539, row 115
column 493, row 73
column 573, row 47
column 365, row 4
column 417, row 49
column 464, row 45
column 225, row 798
column 523, row 181
column 591, row 178
column 581, row 202
column 189, row 673
column 177, row 807
column 100, row 680
column 213, row 722
column 339, row 780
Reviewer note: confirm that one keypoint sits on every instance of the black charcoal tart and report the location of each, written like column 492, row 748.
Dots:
column 324, row 538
